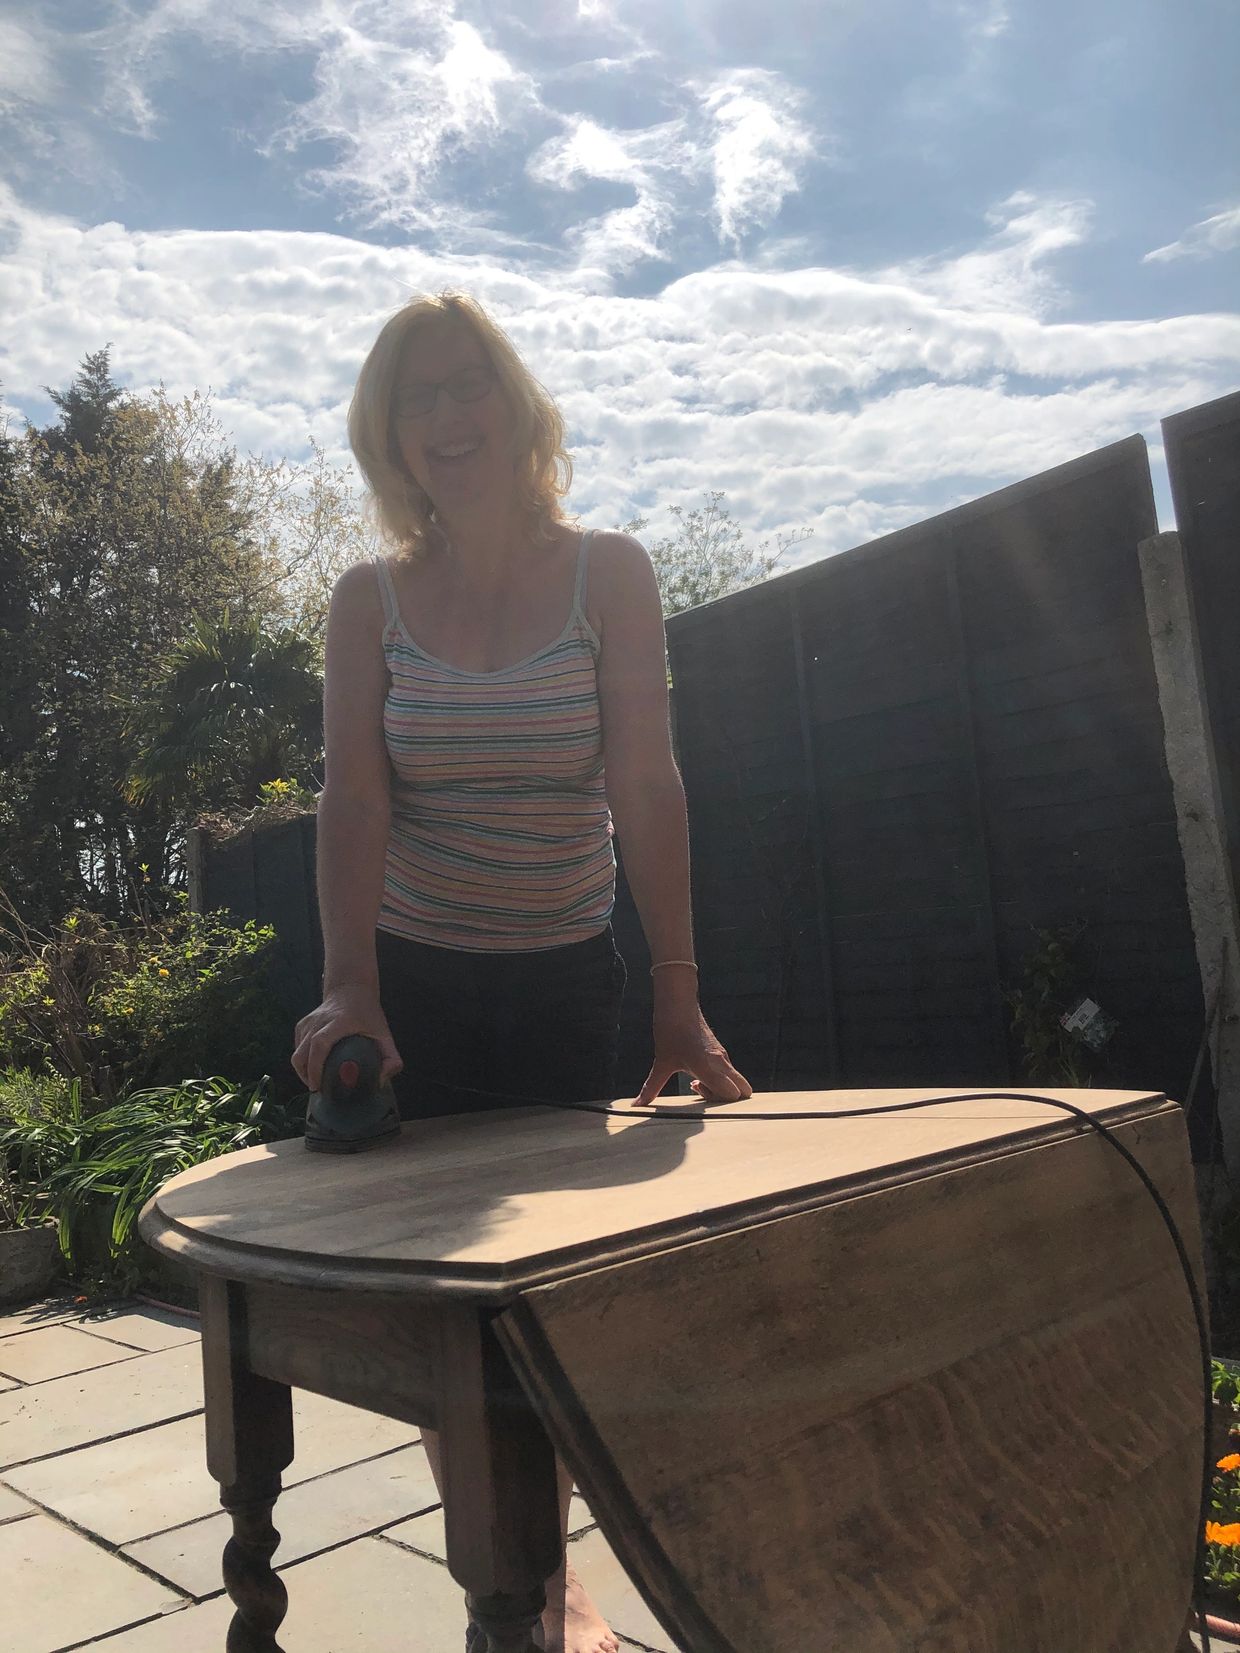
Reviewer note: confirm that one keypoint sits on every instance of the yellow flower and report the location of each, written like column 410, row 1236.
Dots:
column 1219, row 1533
column 129, row 1010
column 164, row 973
column 1231, row 1461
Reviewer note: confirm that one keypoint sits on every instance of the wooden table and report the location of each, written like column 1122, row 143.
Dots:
column 924, row 1381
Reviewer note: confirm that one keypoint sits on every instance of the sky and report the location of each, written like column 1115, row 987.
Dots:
column 853, row 262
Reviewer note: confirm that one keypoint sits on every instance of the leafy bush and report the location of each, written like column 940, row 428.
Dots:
column 1222, row 1564
column 28, row 1098
column 1225, row 1382
column 124, row 1009
column 1050, row 976
column 117, row 1158
column 29, row 1104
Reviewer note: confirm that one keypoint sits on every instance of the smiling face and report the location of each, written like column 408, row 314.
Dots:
column 438, row 351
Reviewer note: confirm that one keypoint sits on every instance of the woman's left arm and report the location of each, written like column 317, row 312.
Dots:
column 647, row 803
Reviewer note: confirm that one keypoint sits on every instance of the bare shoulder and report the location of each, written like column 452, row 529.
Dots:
column 619, row 565
column 622, row 586
column 615, row 548
column 357, row 603
column 357, row 581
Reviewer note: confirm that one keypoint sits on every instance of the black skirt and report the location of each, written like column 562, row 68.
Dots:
column 493, row 1030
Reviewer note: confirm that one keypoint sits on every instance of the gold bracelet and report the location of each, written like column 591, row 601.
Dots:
column 667, row 962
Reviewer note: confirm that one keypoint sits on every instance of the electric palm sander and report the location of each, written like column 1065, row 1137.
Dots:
column 351, row 1110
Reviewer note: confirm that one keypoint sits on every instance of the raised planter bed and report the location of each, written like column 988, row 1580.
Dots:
column 29, row 1262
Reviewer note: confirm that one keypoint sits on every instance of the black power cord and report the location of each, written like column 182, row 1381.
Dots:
column 1207, row 1467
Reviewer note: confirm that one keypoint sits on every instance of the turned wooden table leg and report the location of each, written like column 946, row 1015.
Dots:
column 507, row 1622
column 249, row 1441
column 501, row 1503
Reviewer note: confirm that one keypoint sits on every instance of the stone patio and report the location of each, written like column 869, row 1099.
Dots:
column 111, row 1531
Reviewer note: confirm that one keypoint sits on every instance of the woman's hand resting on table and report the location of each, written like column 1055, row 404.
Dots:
column 684, row 1043
column 345, row 1010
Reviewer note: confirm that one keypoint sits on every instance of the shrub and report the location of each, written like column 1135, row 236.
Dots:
column 184, row 994
column 1050, row 976
column 116, row 1158
column 28, row 1098
column 1222, row 1558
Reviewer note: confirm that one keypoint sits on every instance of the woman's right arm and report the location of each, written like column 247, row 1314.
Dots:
column 354, row 819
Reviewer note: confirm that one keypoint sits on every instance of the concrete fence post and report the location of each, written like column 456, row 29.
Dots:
column 1199, row 817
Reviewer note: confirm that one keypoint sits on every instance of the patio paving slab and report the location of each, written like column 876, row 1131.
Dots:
column 123, row 1490
column 311, row 1517
column 426, row 1532
column 328, row 1434
column 145, row 1483
column 30, row 1316
column 141, row 1328
column 365, row 1597
column 55, row 1351
column 12, row 1508
column 73, row 1411
column 70, row 1588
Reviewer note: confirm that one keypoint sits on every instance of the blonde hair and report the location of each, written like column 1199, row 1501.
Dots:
column 400, row 508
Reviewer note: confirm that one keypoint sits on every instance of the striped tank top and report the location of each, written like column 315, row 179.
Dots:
column 501, row 838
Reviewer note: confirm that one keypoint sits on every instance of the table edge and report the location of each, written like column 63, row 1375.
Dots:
column 499, row 1284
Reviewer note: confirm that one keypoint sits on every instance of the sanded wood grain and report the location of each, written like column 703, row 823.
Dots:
column 493, row 1203
column 961, row 1412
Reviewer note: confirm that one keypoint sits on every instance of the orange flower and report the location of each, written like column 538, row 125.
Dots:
column 1231, row 1461
column 1218, row 1533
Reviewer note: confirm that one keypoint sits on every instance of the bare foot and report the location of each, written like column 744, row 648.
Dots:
column 571, row 1623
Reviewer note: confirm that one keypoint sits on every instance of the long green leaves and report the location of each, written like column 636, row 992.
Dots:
column 123, row 1155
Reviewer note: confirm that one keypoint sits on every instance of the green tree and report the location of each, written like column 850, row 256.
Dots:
column 707, row 557
column 124, row 525
column 238, row 706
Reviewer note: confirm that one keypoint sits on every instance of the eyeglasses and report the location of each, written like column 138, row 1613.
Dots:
column 467, row 384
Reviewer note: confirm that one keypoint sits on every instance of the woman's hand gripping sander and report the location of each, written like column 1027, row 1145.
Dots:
column 351, row 1110
column 352, row 1105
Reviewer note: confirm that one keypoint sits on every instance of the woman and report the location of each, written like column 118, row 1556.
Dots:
column 478, row 747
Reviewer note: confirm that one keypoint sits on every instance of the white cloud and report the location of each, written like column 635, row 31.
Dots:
column 397, row 112
column 844, row 401
column 742, row 138
column 1010, row 271
column 27, row 73
column 411, row 98
column 1212, row 235
column 587, row 150
column 760, row 145
column 401, row 87
column 658, row 162
column 984, row 19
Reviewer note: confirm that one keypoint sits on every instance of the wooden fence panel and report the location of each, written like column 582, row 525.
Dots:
column 756, row 909
column 1080, row 813
column 980, row 754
